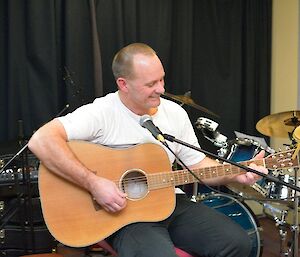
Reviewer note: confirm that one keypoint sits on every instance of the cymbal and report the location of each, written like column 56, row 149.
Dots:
column 279, row 124
column 186, row 99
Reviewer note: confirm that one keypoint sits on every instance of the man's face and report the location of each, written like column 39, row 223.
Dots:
column 147, row 82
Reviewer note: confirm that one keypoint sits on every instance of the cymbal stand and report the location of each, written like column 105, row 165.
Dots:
column 295, row 227
column 292, row 250
column 279, row 217
column 195, row 192
column 281, row 223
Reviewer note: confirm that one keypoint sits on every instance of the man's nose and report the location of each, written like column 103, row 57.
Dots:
column 160, row 89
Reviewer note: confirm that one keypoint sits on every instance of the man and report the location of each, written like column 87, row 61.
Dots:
column 113, row 121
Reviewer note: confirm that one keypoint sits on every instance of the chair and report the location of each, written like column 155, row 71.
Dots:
column 107, row 247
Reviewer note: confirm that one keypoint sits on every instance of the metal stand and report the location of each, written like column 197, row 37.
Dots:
column 288, row 247
column 295, row 227
column 194, row 197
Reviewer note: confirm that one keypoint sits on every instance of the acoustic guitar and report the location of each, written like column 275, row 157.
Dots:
column 142, row 171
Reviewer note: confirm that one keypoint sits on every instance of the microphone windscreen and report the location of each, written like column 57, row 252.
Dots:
column 144, row 119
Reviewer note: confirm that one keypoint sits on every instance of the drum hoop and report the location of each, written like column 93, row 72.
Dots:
column 253, row 220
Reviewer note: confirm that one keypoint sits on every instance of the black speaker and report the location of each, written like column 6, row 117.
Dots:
column 26, row 237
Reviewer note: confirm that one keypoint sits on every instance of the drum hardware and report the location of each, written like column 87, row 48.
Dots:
column 295, row 227
column 209, row 130
column 243, row 149
column 279, row 216
column 282, row 226
column 186, row 99
column 280, row 192
column 289, row 122
column 281, row 157
column 265, row 190
column 275, row 191
column 281, row 125
column 291, row 247
column 238, row 149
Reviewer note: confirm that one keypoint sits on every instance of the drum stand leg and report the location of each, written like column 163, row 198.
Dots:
column 194, row 197
column 293, row 244
column 281, row 223
column 295, row 227
column 279, row 217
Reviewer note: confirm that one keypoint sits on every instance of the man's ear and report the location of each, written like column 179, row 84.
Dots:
column 122, row 84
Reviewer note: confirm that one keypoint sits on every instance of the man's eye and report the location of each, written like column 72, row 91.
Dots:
column 151, row 84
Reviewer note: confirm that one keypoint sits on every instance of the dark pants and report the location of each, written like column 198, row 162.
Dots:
column 193, row 227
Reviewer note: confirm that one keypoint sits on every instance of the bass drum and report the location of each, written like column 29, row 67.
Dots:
column 240, row 213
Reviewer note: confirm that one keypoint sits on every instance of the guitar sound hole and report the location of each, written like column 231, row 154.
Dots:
column 134, row 184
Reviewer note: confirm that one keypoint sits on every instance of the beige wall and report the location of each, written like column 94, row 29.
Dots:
column 285, row 88
column 285, row 60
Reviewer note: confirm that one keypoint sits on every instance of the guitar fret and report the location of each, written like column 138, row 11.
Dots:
column 161, row 180
column 186, row 177
column 181, row 177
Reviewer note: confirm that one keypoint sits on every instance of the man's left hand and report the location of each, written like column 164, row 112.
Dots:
column 249, row 178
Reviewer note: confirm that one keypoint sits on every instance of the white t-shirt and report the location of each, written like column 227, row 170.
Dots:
column 107, row 121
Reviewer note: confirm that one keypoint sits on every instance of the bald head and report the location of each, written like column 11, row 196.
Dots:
column 123, row 62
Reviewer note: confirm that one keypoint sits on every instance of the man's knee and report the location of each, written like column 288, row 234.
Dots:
column 241, row 244
column 144, row 240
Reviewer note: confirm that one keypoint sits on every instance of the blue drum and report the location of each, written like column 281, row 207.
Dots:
column 243, row 149
column 241, row 214
column 238, row 150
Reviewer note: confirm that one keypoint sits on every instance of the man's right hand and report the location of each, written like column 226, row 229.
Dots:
column 107, row 194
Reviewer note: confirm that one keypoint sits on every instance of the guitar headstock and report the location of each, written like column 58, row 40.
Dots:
column 282, row 160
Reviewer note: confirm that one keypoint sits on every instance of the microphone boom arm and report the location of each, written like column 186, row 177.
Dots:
column 271, row 178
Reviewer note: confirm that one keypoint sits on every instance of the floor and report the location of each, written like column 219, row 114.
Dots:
column 271, row 239
column 270, row 245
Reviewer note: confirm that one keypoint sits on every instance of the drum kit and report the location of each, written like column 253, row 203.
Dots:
column 277, row 200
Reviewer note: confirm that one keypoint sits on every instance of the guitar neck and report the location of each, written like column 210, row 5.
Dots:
column 182, row 177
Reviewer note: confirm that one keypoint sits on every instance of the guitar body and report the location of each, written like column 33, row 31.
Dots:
column 71, row 214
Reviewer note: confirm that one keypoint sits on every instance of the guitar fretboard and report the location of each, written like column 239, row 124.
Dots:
column 182, row 177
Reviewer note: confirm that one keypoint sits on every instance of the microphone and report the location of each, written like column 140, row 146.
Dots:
column 146, row 122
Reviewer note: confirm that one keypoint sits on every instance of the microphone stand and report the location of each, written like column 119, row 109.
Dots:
column 269, row 177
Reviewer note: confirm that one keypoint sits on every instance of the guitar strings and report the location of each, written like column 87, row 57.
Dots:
column 223, row 168
column 163, row 179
